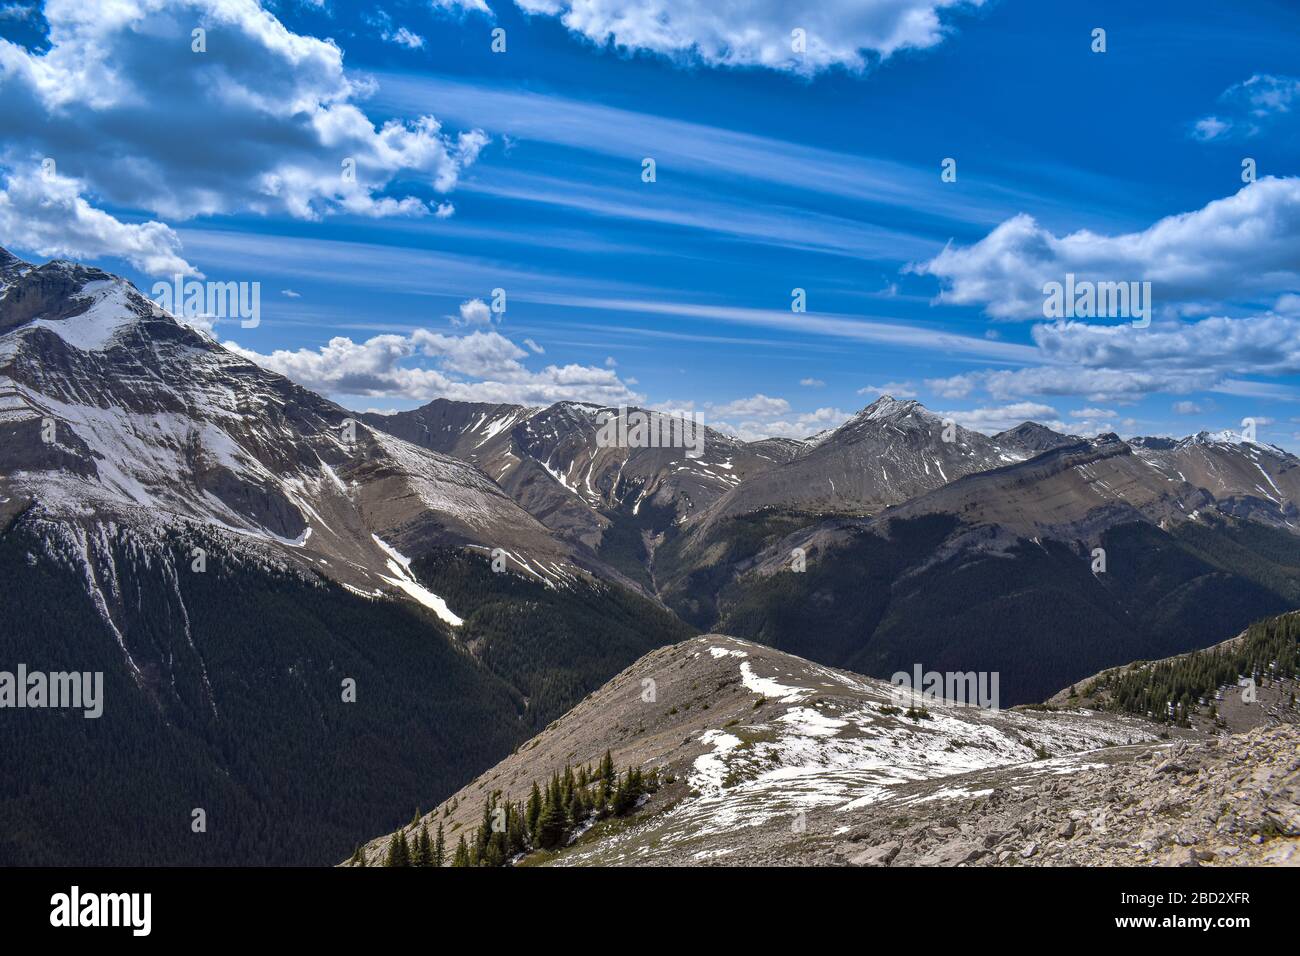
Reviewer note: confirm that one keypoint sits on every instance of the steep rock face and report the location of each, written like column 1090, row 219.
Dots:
column 889, row 452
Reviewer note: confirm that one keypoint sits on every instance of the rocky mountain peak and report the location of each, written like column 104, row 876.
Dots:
column 9, row 261
column 888, row 408
column 1033, row 438
column 83, row 305
column 11, row 267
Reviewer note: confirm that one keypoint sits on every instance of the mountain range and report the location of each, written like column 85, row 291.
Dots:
column 312, row 620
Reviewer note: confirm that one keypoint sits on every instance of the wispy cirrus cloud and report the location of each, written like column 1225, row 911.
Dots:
column 728, row 156
column 862, row 329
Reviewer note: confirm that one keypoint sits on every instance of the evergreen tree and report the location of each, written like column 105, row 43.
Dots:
column 462, row 853
column 516, row 838
column 399, row 851
column 423, row 848
column 607, row 772
column 534, row 812
column 550, row 829
column 439, row 848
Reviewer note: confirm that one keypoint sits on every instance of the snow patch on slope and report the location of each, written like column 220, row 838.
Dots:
column 402, row 578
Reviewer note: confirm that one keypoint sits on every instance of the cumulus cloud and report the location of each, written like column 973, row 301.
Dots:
column 1241, row 246
column 845, row 33
column 1249, row 107
column 1187, row 408
column 478, row 367
column 47, row 214
column 1267, row 344
column 473, row 312
column 812, row 383
column 265, row 120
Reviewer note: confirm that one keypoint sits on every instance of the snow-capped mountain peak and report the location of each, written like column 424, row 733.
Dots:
column 888, row 408
column 112, row 411
column 1229, row 436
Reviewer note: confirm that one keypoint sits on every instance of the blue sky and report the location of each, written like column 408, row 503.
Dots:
column 774, row 170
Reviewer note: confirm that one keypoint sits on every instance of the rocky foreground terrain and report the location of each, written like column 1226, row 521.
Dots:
column 1223, row 801
column 768, row 759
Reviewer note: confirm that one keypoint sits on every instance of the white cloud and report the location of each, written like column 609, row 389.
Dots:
column 753, row 407
column 1097, row 385
column 47, row 214
column 846, row 33
column 473, row 312
column 1266, row 344
column 991, row 420
column 404, row 37
column 782, row 425
column 1187, row 408
column 478, row 367
column 476, row 6
column 536, row 349
column 896, row 389
column 1252, row 105
column 290, row 294
column 1241, row 246
column 264, row 121
column 812, row 383
column 1211, row 127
